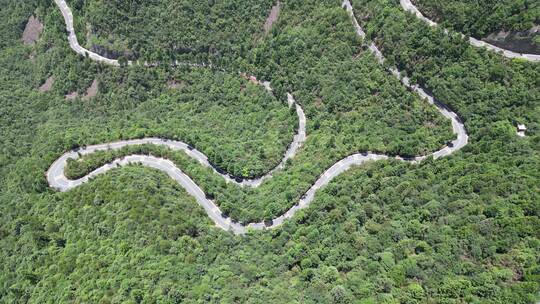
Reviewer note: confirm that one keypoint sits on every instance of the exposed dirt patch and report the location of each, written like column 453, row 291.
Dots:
column 47, row 85
column 32, row 30
column 92, row 91
column 72, row 96
column 174, row 84
column 273, row 17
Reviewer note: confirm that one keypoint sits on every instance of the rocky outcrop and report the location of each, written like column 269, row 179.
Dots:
column 32, row 31
column 47, row 85
column 520, row 42
column 92, row 90
column 105, row 52
column 273, row 17
column 408, row 6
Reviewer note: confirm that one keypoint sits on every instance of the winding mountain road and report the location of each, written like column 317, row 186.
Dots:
column 58, row 180
column 407, row 5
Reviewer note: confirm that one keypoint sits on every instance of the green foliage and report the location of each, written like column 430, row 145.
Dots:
column 462, row 229
column 481, row 18
column 164, row 30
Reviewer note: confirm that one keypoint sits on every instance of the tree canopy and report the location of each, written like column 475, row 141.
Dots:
column 460, row 229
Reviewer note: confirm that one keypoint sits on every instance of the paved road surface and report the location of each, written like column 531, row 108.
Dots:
column 57, row 179
column 410, row 7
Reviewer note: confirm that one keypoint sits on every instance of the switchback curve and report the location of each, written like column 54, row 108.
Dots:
column 408, row 6
column 58, row 180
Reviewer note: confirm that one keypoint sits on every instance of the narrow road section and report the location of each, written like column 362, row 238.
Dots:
column 58, row 180
column 408, row 6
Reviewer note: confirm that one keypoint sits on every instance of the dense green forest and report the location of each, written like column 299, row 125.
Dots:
column 455, row 230
column 170, row 29
column 238, row 124
column 481, row 18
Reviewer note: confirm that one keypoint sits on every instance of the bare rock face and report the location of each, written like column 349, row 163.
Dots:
column 32, row 31
column 273, row 17
column 106, row 52
column 92, row 90
column 47, row 85
column 516, row 41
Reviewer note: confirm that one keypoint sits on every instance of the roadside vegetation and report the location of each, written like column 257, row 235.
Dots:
column 457, row 229
column 481, row 18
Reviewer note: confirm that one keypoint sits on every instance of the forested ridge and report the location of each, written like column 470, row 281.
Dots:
column 459, row 229
column 481, row 18
column 206, row 30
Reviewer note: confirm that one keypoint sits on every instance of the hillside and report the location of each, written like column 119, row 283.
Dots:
column 395, row 198
column 510, row 24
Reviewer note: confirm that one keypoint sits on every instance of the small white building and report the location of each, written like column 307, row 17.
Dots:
column 521, row 130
